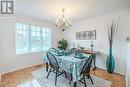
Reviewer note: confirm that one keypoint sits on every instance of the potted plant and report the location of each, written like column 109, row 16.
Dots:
column 62, row 44
column 111, row 31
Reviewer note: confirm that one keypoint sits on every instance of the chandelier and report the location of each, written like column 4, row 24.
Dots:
column 63, row 22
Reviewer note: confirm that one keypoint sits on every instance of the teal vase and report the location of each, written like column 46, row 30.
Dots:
column 110, row 63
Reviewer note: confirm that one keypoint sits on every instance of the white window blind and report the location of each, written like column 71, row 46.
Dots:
column 30, row 38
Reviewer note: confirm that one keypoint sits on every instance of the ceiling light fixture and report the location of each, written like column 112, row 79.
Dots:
column 63, row 22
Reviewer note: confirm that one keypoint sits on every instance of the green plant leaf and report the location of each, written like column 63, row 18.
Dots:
column 62, row 44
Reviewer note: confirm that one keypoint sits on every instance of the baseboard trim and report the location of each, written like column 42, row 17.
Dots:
column 37, row 65
column 111, row 73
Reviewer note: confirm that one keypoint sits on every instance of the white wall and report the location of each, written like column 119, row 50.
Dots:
column 9, row 61
column 101, row 43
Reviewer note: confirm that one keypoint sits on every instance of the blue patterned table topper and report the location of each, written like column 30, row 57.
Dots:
column 70, row 64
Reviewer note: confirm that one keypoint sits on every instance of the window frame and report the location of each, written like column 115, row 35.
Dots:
column 29, row 51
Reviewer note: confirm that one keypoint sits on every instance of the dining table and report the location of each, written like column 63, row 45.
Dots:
column 69, row 63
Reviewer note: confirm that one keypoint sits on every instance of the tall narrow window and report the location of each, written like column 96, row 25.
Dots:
column 21, row 38
column 35, row 39
column 46, row 38
column 30, row 38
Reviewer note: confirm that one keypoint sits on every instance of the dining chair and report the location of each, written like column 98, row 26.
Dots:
column 52, row 50
column 54, row 66
column 85, row 71
column 74, row 50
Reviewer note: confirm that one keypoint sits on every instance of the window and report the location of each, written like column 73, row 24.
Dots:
column 31, row 38
column 35, row 38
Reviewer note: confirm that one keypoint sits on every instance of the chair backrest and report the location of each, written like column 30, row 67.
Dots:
column 87, row 66
column 52, row 50
column 52, row 60
column 74, row 50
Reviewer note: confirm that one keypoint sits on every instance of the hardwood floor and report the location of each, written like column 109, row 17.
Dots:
column 23, row 78
column 116, row 79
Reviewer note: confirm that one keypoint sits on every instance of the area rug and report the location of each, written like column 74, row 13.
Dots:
column 40, row 76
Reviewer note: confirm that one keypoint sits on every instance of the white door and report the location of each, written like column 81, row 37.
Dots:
column 128, row 65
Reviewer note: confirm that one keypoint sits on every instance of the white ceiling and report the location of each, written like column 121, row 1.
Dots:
column 76, row 10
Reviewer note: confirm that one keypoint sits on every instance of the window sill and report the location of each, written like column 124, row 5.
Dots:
column 30, row 53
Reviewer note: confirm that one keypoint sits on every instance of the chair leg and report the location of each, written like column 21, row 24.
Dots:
column 84, row 81
column 70, row 79
column 87, row 76
column 65, row 74
column 56, row 78
column 48, row 73
column 91, row 79
column 75, row 84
